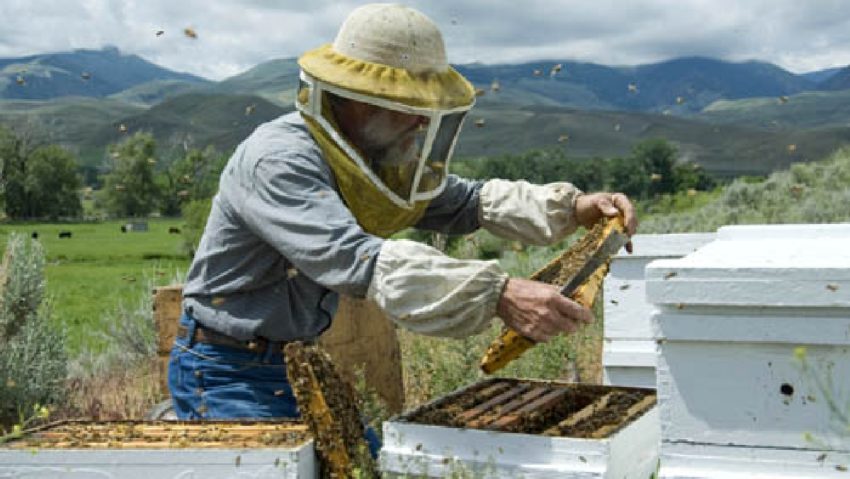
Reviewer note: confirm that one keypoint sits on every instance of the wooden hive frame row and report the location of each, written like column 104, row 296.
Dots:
column 584, row 411
column 164, row 434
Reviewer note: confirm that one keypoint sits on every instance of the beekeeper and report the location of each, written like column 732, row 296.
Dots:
column 308, row 202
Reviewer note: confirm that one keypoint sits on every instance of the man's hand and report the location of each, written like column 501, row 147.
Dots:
column 591, row 207
column 538, row 311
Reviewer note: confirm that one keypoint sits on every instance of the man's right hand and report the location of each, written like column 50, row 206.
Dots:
column 539, row 311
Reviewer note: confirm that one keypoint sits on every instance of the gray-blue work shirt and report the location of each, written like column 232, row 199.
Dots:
column 280, row 244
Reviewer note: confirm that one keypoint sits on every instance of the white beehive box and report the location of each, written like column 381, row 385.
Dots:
column 420, row 450
column 84, row 461
column 733, row 398
column 628, row 354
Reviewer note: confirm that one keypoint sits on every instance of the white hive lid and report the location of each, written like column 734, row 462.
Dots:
column 672, row 245
column 759, row 265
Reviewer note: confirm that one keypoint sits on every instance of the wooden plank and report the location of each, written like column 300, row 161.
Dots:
column 580, row 415
column 167, row 308
column 633, row 411
column 487, row 405
column 361, row 339
column 520, row 402
column 539, row 406
column 514, row 404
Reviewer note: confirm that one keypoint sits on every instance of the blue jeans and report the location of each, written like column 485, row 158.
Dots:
column 208, row 381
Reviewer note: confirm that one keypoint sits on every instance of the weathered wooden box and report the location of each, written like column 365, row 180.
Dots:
column 628, row 354
column 746, row 327
column 147, row 450
column 620, row 442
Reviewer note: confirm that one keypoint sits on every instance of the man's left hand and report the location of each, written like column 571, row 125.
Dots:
column 593, row 206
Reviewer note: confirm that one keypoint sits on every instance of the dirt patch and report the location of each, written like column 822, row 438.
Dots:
column 538, row 407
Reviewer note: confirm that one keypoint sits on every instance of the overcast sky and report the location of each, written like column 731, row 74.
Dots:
column 234, row 35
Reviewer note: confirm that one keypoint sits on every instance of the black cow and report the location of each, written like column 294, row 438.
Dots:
column 35, row 235
column 173, row 230
column 64, row 234
column 123, row 228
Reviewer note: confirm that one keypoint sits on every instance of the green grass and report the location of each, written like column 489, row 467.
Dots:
column 98, row 269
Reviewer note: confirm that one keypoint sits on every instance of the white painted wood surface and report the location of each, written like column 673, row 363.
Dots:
column 419, row 450
column 275, row 463
column 628, row 354
column 733, row 399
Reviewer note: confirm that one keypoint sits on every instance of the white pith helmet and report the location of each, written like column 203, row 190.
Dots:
column 393, row 57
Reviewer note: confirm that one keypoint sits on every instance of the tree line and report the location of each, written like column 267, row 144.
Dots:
column 650, row 170
column 40, row 181
column 44, row 181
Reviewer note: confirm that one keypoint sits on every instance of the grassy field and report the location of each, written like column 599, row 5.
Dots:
column 99, row 269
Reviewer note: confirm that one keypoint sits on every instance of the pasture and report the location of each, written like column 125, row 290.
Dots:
column 99, row 269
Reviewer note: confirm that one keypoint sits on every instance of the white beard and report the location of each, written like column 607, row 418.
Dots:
column 386, row 145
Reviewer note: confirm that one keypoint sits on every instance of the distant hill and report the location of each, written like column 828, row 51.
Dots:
column 275, row 80
column 839, row 81
column 819, row 76
column 87, row 125
column 93, row 73
column 155, row 91
column 804, row 110
column 725, row 150
column 198, row 120
column 683, row 85
column 590, row 110
column 68, row 121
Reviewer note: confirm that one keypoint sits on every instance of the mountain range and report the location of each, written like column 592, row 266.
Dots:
column 718, row 113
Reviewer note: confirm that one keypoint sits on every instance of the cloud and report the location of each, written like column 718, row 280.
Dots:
column 234, row 35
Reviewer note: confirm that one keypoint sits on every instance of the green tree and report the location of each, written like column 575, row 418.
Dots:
column 658, row 157
column 628, row 175
column 13, row 153
column 39, row 182
column 130, row 187
column 53, row 183
column 193, row 177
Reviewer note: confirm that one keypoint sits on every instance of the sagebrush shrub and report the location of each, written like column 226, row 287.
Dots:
column 32, row 351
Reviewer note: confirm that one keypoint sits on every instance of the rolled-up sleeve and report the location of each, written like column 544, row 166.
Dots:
column 292, row 206
column 455, row 210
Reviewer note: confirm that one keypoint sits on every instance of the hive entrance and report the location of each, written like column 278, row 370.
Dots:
column 538, row 407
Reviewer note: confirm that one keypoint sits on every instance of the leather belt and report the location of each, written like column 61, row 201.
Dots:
column 208, row 336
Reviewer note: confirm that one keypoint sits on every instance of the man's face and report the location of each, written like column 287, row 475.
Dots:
column 384, row 136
